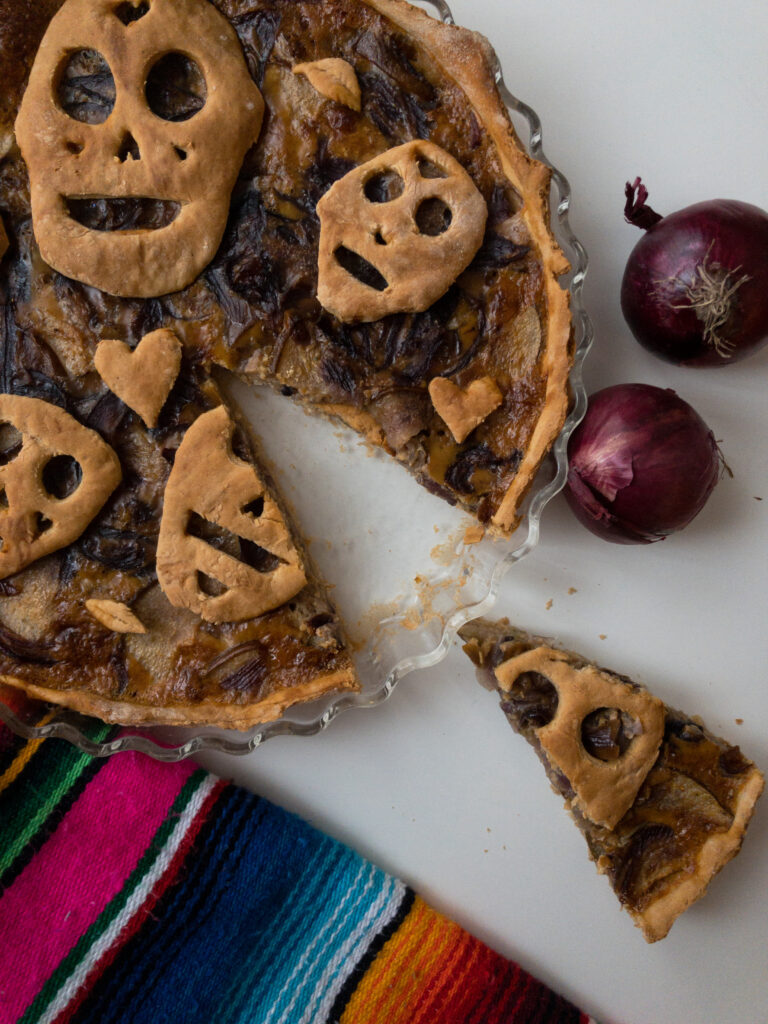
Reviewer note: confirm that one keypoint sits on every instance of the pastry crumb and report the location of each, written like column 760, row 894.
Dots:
column 739, row 721
column 549, row 604
column 474, row 534
column 603, row 636
column 572, row 590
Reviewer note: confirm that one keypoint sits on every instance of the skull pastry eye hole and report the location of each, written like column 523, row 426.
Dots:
column 427, row 169
column 360, row 268
column 433, row 217
column 176, row 88
column 10, row 443
column 85, row 88
column 61, row 476
column 606, row 733
column 128, row 12
column 384, row 187
column 532, row 700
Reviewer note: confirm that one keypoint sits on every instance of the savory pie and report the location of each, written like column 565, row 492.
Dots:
column 662, row 802
column 326, row 196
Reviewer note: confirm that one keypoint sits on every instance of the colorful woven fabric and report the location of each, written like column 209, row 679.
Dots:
column 133, row 892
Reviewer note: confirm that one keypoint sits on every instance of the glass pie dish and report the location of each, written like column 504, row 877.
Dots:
column 406, row 569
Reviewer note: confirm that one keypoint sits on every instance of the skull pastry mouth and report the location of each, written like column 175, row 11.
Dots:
column 133, row 141
column 122, row 213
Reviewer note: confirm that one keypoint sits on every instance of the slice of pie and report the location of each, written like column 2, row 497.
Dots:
column 326, row 196
column 180, row 602
column 662, row 802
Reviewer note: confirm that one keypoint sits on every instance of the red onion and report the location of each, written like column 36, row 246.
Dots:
column 642, row 464
column 695, row 289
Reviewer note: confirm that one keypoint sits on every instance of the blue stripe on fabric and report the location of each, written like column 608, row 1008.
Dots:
column 286, row 991
column 356, row 932
column 264, row 976
column 224, row 941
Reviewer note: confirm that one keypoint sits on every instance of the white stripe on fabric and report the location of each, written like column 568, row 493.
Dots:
column 378, row 916
column 330, row 925
column 68, row 991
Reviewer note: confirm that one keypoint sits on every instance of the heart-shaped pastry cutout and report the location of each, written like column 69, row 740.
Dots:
column 142, row 377
column 462, row 409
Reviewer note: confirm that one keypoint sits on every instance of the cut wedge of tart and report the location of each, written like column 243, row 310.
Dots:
column 662, row 802
column 185, row 597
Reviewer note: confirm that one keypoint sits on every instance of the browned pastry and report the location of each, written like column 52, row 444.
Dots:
column 662, row 802
column 114, row 213
column 255, row 308
column 91, row 627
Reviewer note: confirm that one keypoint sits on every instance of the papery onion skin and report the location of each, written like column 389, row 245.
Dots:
column 642, row 464
column 695, row 288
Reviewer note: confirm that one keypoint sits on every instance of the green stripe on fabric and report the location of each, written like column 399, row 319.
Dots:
column 113, row 909
column 30, row 799
column 51, row 823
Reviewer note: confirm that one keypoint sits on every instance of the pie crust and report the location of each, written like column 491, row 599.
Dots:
column 254, row 310
column 664, row 823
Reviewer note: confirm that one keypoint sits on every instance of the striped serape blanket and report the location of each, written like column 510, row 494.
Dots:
column 136, row 892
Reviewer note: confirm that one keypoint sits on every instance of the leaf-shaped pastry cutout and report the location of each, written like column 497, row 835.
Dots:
column 141, row 377
column 462, row 409
column 114, row 615
column 333, row 78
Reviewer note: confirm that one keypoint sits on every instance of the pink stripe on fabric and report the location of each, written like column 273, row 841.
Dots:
column 81, row 867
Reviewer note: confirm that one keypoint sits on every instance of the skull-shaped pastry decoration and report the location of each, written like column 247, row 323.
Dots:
column 224, row 550
column 605, row 790
column 396, row 232
column 46, row 501
column 182, row 164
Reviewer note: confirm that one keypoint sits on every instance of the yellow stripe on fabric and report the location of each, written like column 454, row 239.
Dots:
column 404, row 966
column 24, row 756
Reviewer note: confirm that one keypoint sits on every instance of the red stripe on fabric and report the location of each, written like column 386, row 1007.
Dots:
column 511, row 1008
column 499, row 978
column 80, row 869
column 461, row 996
column 133, row 926
column 425, row 1008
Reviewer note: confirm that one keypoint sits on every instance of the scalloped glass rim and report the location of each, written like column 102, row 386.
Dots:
column 550, row 482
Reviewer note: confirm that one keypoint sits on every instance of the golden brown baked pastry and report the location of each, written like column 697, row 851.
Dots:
column 113, row 215
column 662, row 802
column 111, row 626
column 255, row 308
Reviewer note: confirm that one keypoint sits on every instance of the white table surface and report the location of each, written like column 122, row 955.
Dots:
column 434, row 786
